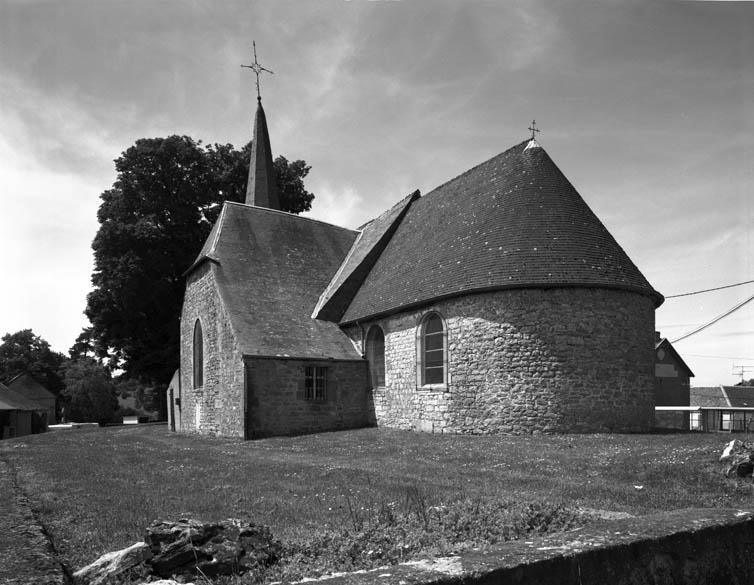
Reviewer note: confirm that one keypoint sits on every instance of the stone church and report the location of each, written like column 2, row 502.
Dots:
column 496, row 303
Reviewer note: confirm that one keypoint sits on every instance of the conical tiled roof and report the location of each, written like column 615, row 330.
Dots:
column 514, row 221
column 261, row 189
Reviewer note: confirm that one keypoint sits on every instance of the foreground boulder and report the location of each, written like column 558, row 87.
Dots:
column 186, row 548
column 113, row 563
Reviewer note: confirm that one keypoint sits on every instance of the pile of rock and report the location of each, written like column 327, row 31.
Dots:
column 739, row 458
column 187, row 548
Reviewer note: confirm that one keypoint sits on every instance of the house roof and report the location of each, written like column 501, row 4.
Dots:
column 10, row 400
column 707, row 396
column 665, row 344
column 740, row 396
column 723, row 397
column 271, row 267
column 513, row 221
column 28, row 386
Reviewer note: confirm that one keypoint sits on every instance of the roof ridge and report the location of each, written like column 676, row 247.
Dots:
column 321, row 301
column 725, row 395
column 220, row 220
column 288, row 213
column 416, row 193
column 475, row 167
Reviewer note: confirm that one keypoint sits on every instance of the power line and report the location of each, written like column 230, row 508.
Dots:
column 715, row 320
column 698, row 292
column 718, row 357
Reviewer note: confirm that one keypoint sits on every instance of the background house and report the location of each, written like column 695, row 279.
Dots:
column 27, row 386
column 19, row 416
column 722, row 408
column 671, row 384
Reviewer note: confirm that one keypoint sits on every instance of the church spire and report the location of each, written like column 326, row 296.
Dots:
column 261, row 189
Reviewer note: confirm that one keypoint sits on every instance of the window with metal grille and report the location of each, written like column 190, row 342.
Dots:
column 433, row 354
column 315, row 383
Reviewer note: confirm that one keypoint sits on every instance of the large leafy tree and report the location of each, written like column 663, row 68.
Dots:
column 23, row 351
column 153, row 222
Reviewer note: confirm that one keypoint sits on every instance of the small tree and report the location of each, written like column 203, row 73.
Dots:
column 89, row 392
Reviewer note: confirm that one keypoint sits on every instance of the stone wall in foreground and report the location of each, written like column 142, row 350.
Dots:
column 525, row 361
column 682, row 547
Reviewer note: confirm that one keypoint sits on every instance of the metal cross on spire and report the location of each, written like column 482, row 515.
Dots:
column 533, row 129
column 257, row 68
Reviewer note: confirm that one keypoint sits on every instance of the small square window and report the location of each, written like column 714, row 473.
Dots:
column 315, row 383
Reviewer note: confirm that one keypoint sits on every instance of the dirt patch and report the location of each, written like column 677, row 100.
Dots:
column 27, row 555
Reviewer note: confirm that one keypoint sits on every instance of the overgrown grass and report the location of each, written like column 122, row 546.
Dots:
column 361, row 498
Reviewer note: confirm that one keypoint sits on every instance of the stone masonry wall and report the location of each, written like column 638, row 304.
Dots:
column 277, row 404
column 525, row 361
column 217, row 408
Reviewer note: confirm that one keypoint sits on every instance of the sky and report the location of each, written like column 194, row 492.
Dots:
column 647, row 108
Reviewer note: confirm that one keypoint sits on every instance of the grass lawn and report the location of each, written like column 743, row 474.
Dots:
column 360, row 493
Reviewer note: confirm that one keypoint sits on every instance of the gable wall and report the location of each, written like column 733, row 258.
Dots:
column 277, row 404
column 671, row 380
column 526, row 361
column 217, row 408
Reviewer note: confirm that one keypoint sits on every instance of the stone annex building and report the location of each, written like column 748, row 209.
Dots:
column 497, row 303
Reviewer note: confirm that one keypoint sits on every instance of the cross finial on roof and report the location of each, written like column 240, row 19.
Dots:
column 257, row 68
column 533, row 129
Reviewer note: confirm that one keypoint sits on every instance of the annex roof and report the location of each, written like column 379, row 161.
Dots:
column 740, row 396
column 723, row 397
column 514, row 221
column 28, row 386
column 270, row 268
column 371, row 241
column 708, row 396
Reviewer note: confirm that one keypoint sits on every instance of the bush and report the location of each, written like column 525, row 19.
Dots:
column 89, row 392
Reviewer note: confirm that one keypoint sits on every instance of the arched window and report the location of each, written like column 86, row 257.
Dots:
column 198, row 355
column 432, row 350
column 375, row 351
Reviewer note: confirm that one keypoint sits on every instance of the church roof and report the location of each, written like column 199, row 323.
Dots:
column 514, row 221
column 271, row 267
